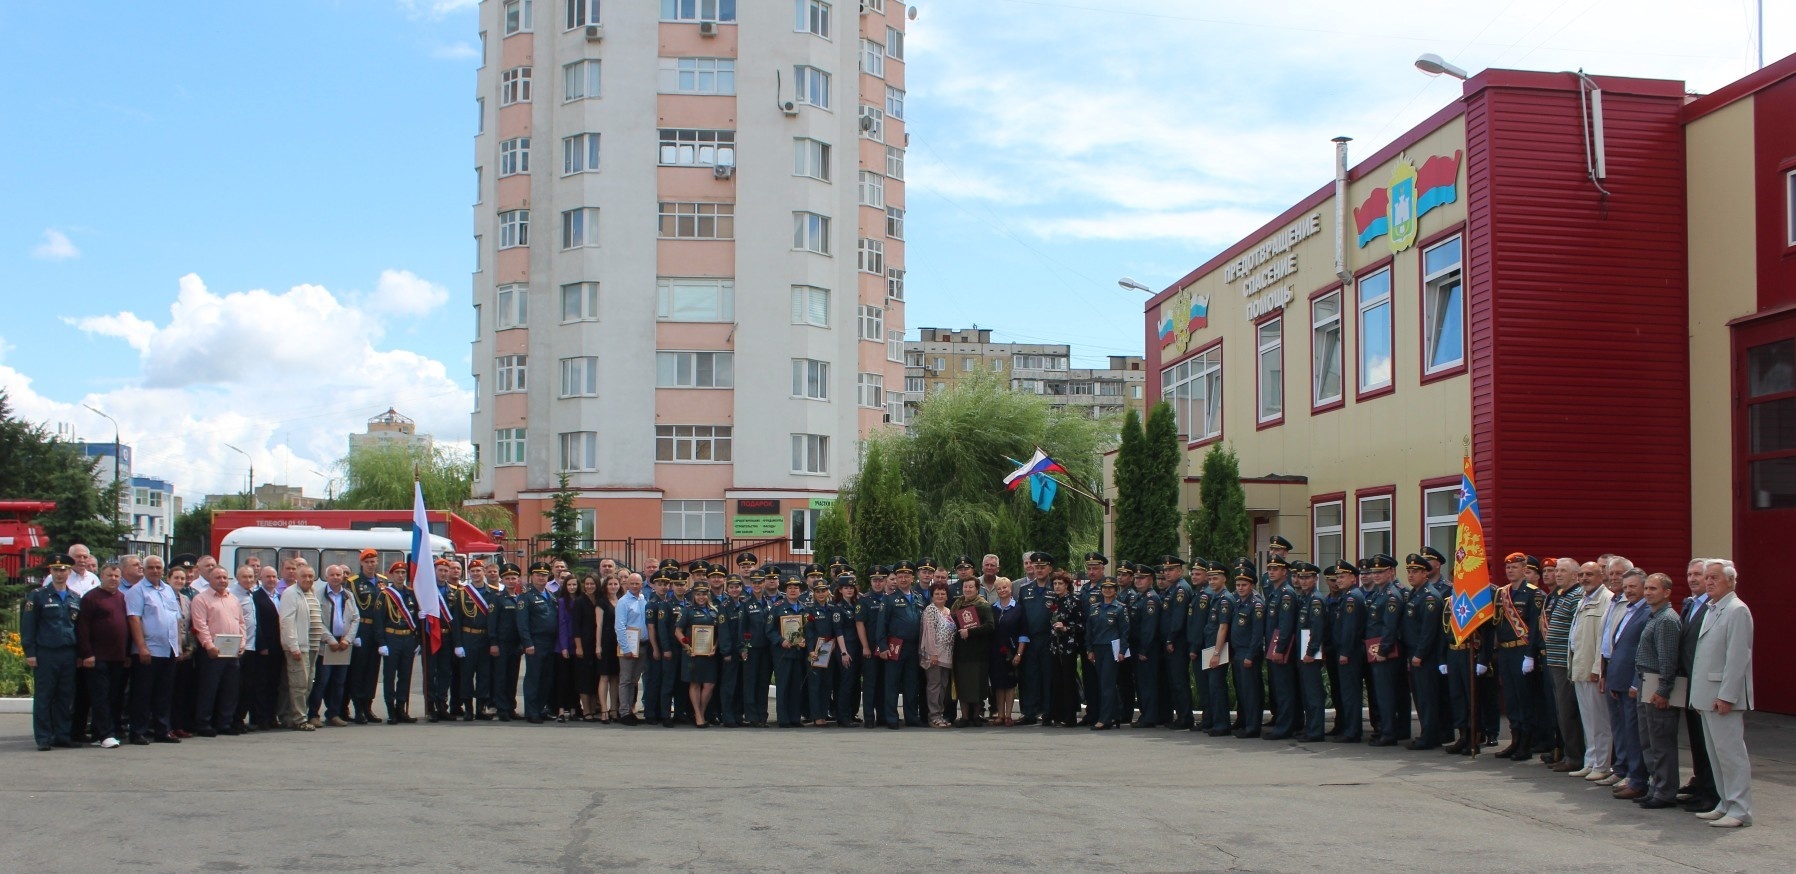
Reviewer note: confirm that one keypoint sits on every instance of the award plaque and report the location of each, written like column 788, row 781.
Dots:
column 820, row 658
column 967, row 617
column 704, row 640
column 228, row 645
column 630, row 643
column 792, row 627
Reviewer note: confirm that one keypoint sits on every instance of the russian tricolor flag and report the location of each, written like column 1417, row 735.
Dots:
column 423, row 572
column 1039, row 463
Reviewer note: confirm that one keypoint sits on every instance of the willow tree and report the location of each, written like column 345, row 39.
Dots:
column 380, row 478
column 884, row 517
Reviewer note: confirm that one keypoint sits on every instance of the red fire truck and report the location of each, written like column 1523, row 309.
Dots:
column 18, row 537
column 469, row 540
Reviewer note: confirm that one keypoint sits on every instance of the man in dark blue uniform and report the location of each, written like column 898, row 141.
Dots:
column 1144, row 647
column 472, row 607
column 730, row 650
column 1247, row 648
column 757, row 651
column 364, row 662
column 1090, row 595
column 1281, row 643
column 504, row 643
column 848, row 649
column 397, row 643
column 1175, row 650
column 1032, row 674
column 1349, row 634
column 867, row 610
column 1422, row 644
column 1106, row 639
column 1312, row 630
column 1218, row 625
column 539, row 626
column 902, row 618
column 47, row 634
column 1384, row 651
column 788, row 654
column 1519, row 647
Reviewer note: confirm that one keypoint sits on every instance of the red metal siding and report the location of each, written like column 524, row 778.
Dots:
column 1579, row 351
column 1774, row 153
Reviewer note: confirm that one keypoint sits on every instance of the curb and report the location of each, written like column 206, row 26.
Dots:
column 15, row 705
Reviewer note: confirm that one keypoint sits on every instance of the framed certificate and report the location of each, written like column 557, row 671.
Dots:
column 704, row 640
column 631, row 642
column 820, row 658
column 967, row 617
column 228, row 645
column 792, row 627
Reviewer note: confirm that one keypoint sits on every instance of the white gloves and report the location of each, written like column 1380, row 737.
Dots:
column 460, row 653
column 383, row 650
column 1443, row 670
column 1527, row 664
column 358, row 641
column 1482, row 670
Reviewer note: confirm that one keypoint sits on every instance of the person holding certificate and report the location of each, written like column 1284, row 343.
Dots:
column 820, row 649
column 1107, row 635
column 697, row 632
column 785, row 625
column 972, row 656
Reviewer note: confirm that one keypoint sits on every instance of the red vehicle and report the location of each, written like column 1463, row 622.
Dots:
column 18, row 537
column 469, row 540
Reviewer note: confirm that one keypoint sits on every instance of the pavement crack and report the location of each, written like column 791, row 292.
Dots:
column 579, row 833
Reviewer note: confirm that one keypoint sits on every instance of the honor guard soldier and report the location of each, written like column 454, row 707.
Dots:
column 505, row 644
column 1519, row 644
column 1468, row 663
column 471, row 607
column 397, row 643
column 1146, row 646
column 1247, row 648
column 364, row 662
column 47, row 635
column 445, row 691
column 1218, row 626
column 539, row 625
column 1349, row 634
column 1175, row 649
column 1312, row 631
column 1422, row 643
column 1282, row 655
column 900, row 630
column 788, row 654
column 1106, row 639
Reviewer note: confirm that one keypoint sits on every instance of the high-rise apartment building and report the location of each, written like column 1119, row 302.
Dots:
column 941, row 356
column 690, row 279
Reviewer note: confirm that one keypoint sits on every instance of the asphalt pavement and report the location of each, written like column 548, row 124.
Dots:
column 513, row 797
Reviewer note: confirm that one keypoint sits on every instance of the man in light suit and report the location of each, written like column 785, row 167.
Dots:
column 1721, row 689
column 302, row 634
column 1584, row 667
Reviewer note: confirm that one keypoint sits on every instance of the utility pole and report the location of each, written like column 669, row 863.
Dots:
column 117, row 519
column 254, row 504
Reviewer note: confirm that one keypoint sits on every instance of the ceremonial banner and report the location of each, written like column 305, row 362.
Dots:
column 1472, row 602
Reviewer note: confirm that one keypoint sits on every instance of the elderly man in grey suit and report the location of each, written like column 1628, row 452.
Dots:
column 1721, row 690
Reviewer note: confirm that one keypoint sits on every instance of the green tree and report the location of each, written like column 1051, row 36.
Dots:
column 1051, row 532
column 1221, row 528
column 884, row 527
column 34, row 465
column 1160, row 477
column 831, row 536
column 564, row 522
column 380, row 478
column 193, row 528
column 1127, row 489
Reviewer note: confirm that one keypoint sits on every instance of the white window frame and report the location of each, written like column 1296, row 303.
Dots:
column 479, row 185
column 810, row 86
column 693, row 444
column 579, row 302
column 579, row 451
column 895, row 103
column 894, row 43
column 479, row 261
column 1434, row 522
column 514, row 228
column 895, row 162
column 512, row 306
column 581, row 13
column 514, row 156
column 1375, row 308
column 1436, row 283
column 895, row 222
column 1194, row 388
column 872, row 189
column 580, row 154
column 810, row 454
column 810, row 158
column 580, row 377
column 698, row 10
column 698, row 76
column 676, row 299
column 581, row 80
column 877, row 129
column 695, row 521
column 697, row 147
column 1270, row 405
column 810, row 232
column 810, row 379
column 1336, row 532
column 517, row 16
column 479, row 115
column 1790, row 208
column 696, row 220
column 511, row 374
column 1386, row 528
column 914, row 384
column 508, row 446
column 1322, row 325
column 813, row 17
column 870, row 390
column 895, row 345
column 804, row 530
column 873, row 58
column 894, row 283
column 871, row 256
column 514, row 86
column 668, row 365
column 810, row 306
column 878, row 6
column 872, row 323
column 580, row 228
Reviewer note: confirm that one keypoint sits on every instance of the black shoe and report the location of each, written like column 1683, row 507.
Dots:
column 1656, row 804
column 139, row 740
column 1247, row 733
column 206, row 732
column 43, row 748
column 1220, row 732
column 1383, row 742
column 431, row 716
column 1343, row 739
column 360, row 719
column 535, row 720
column 506, row 717
column 406, row 718
column 1418, row 745
column 1275, row 737
column 233, row 732
column 893, row 726
column 1027, row 720
column 168, row 739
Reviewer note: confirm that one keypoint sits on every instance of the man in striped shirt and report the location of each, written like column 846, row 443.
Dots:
column 1562, row 607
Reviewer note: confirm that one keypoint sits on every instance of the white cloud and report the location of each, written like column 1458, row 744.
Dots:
column 284, row 376
column 460, row 51
column 402, row 292
column 56, row 246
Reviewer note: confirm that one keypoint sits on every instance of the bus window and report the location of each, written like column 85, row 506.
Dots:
column 265, row 554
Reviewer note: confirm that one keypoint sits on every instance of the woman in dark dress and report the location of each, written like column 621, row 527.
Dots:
column 1065, row 643
column 972, row 655
column 608, row 663
column 566, row 702
column 1007, row 646
column 586, row 646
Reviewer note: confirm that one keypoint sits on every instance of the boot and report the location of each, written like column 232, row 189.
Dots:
column 1517, row 741
column 1461, row 744
column 1522, row 751
column 405, row 714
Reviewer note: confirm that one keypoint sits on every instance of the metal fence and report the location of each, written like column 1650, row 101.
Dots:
column 644, row 552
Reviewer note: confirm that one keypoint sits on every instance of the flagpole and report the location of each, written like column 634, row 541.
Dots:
column 424, row 652
column 1471, row 723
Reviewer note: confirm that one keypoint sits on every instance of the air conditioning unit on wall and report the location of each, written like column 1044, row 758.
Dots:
column 707, row 28
column 594, row 33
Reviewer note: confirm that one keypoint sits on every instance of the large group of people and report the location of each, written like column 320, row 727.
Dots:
column 1591, row 665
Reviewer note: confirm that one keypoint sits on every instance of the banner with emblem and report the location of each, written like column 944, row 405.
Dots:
column 1472, row 602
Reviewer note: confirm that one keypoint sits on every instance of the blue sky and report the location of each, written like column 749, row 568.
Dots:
column 250, row 223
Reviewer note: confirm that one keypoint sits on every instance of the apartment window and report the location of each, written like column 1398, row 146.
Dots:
column 871, row 390
column 1135, row 392
column 878, row 6
column 913, row 384
column 580, row 302
column 1443, row 308
column 810, row 158
column 476, row 402
column 1375, row 525
column 510, row 374
column 895, row 283
column 1039, row 362
column 580, row 80
column 810, row 454
column 1328, row 535
column 895, row 102
column 514, row 228
column 810, row 232
column 895, row 409
column 479, row 183
column 482, row 51
column 895, row 162
column 692, row 443
column 581, row 13
column 580, row 377
column 1194, row 387
column 872, row 189
column 514, row 86
column 514, row 156
column 479, row 258
column 694, row 370
column 518, row 16
column 580, row 450
column 895, row 222
column 683, row 147
column 811, row 86
column 698, row 10
column 695, row 300
column 477, row 316
column 1440, row 519
column 895, row 345
column 680, row 220
column 1325, row 349
column 1272, row 369
column 872, row 256
column 579, row 154
column 804, row 524
column 1375, row 330
column 873, row 123
column 698, row 76
column 513, row 310
column 810, row 379
column 873, row 58
column 480, row 115
column 813, row 17
column 508, row 446
column 691, row 520
column 997, row 365
column 894, row 43
column 873, row 323
column 580, row 227
column 967, row 364
column 810, row 306
column 913, row 359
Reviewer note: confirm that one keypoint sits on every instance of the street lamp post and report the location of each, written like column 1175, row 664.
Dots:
column 252, row 476
column 1132, row 285
column 117, row 520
